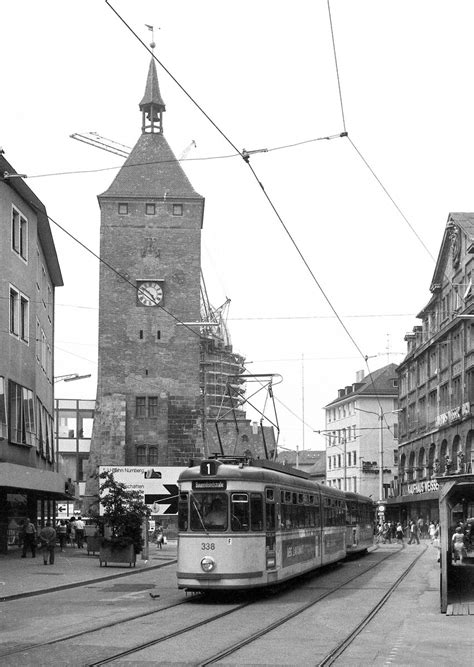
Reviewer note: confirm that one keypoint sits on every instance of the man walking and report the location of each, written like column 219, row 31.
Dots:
column 47, row 538
column 413, row 533
column 80, row 529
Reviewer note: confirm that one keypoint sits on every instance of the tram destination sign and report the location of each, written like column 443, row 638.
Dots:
column 209, row 484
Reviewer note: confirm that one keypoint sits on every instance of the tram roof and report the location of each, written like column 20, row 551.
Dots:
column 260, row 470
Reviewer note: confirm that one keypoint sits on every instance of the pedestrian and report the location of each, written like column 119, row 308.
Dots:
column 159, row 537
column 420, row 524
column 61, row 530
column 399, row 534
column 47, row 537
column 80, row 529
column 458, row 545
column 28, row 538
column 413, row 533
column 432, row 531
column 387, row 533
column 72, row 530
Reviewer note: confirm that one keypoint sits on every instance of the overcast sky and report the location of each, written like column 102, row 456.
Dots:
column 264, row 72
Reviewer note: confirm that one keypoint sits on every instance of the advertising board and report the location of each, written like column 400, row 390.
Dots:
column 157, row 485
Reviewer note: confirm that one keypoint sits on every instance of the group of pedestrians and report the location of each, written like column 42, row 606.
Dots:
column 66, row 532
column 414, row 530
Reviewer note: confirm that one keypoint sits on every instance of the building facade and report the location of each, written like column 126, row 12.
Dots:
column 436, row 378
column 361, row 435
column 29, row 274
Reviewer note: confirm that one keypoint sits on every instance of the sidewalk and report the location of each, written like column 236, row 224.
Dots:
column 21, row 577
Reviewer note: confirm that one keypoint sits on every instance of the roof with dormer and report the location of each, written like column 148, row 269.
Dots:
column 378, row 383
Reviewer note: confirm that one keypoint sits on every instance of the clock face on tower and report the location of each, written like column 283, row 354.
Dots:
column 150, row 293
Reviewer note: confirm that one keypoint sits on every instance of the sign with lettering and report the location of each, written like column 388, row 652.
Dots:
column 422, row 487
column 453, row 415
column 157, row 484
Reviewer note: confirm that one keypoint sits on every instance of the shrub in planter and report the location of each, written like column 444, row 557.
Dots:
column 123, row 513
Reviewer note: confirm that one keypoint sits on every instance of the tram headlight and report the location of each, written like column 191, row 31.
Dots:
column 208, row 564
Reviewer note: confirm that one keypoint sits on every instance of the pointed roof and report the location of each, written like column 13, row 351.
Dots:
column 465, row 223
column 152, row 94
column 151, row 170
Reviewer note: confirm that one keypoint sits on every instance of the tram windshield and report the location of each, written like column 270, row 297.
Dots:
column 209, row 511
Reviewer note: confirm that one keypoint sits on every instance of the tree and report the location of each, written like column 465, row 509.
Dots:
column 123, row 512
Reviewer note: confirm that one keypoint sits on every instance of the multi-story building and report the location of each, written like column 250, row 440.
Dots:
column 74, row 419
column 361, row 434
column 29, row 274
column 436, row 378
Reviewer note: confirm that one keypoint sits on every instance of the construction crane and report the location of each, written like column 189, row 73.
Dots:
column 97, row 141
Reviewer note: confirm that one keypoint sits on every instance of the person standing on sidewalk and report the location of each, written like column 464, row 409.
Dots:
column 47, row 536
column 80, row 529
column 61, row 530
column 399, row 534
column 28, row 534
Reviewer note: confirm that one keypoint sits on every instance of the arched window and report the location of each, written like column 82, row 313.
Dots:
column 421, row 467
column 470, row 452
column 401, row 467
column 442, row 455
column 431, row 458
column 411, row 466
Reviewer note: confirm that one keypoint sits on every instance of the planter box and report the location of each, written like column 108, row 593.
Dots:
column 117, row 555
column 93, row 544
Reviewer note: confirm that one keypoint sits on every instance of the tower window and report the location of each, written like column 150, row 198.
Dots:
column 153, row 456
column 141, row 456
column 158, row 335
column 123, row 209
column 141, row 334
column 177, row 209
column 150, row 209
column 140, row 406
column 153, row 406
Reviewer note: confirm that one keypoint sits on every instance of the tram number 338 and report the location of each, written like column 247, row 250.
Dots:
column 207, row 546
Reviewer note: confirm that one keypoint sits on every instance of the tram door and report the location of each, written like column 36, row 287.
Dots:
column 270, row 528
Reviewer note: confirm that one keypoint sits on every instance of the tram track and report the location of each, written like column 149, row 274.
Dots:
column 245, row 642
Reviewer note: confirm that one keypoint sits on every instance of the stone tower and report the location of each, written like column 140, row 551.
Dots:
column 148, row 396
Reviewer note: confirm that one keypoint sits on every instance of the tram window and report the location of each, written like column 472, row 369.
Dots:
column 209, row 511
column 300, row 497
column 270, row 516
column 239, row 509
column 183, row 512
column 270, row 494
column 317, row 516
column 287, row 496
column 256, row 511
column 294, row 498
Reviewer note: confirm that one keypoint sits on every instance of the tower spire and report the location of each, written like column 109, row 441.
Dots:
column 152, row 105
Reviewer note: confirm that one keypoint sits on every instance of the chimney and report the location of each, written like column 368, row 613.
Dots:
column 360, row 376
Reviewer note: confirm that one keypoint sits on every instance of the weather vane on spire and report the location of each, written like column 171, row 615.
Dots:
column 152, row 29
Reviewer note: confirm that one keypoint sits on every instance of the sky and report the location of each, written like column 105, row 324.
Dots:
column 350, row 225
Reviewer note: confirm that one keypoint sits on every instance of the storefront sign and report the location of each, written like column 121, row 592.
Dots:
column 422, row 487
column 453, row 415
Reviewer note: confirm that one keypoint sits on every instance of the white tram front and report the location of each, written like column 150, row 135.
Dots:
column 245, row 523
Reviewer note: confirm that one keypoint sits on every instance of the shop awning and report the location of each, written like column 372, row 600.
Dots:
column 23, row 478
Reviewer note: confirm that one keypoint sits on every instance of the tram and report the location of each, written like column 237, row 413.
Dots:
column 245, row 523
column 359, row 523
